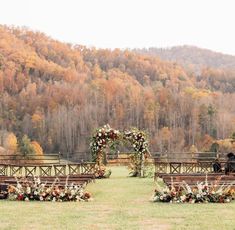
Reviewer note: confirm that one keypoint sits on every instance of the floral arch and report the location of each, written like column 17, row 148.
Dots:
column 106, row 136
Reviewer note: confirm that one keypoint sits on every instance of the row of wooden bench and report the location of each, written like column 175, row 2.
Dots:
column 49, row 179
column 192, row 179
column 82, row 179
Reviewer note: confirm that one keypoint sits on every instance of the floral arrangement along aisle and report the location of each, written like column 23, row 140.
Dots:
column 27, row 190
column 106, row 136
column 200, row 193
column 102, row 172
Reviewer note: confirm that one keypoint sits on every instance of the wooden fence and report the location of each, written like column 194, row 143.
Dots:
column 47, row 170
column 187, row 162
column 46, row 159
column 185, row 167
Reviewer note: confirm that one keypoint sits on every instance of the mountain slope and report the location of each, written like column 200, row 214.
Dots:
column 191, row 56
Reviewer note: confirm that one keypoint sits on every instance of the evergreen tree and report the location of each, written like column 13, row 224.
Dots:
column 26, row 147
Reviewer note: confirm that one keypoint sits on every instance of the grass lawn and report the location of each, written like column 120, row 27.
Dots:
column 119, row 203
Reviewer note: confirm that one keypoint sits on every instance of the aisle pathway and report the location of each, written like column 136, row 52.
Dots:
column 124, row 202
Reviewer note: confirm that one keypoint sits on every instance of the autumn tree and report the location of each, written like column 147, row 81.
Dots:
column 37, row 148
column 10, row 142
column 25, row 146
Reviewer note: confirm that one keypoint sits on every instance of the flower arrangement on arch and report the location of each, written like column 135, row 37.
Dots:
column 106, row 136
column 36, row 190
column 100, row 140
column 102, row 137
column 138, row 140
column 200, row 193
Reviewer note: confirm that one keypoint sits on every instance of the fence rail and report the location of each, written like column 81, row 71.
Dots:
column 47, row 170
column 181, row 167
column 179, row 163
column 46, row 159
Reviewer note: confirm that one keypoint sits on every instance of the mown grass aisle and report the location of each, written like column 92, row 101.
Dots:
column 119, row 203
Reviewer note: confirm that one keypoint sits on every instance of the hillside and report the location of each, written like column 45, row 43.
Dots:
column 192, row 57
column 213, row 70
column 58, row 93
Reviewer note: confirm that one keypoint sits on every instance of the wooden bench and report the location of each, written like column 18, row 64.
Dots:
column 60, row 184
column 193, row 179
column 87, row 177
column 60, row 181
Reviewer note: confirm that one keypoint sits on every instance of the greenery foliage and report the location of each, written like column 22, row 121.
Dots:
column 25, row 146
column 233, row 135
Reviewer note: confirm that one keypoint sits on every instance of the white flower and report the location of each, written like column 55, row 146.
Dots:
column 19, row 186
column 28, row 190
column 156, row 198
column 38, row 180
